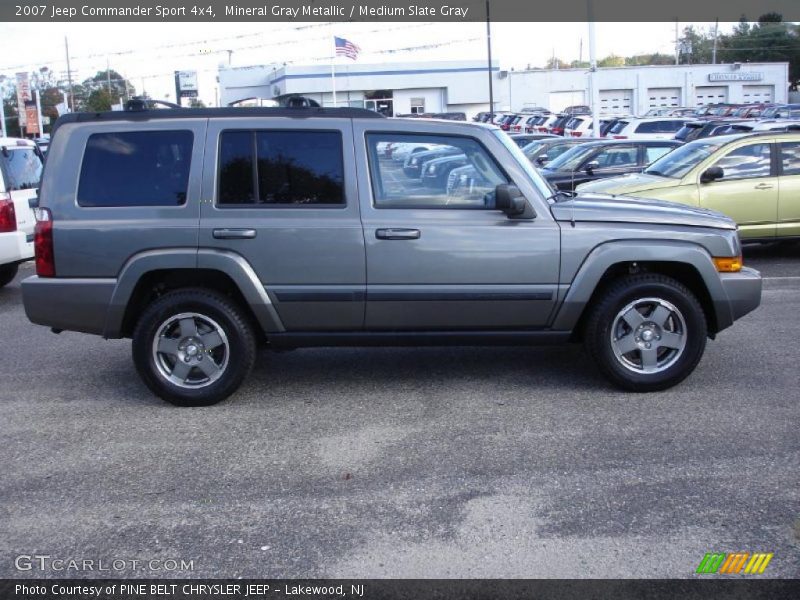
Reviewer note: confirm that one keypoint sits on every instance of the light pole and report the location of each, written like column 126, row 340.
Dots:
column 489, row 46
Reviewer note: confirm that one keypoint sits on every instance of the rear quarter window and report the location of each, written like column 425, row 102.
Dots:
column 136, row 168
column 21, row 168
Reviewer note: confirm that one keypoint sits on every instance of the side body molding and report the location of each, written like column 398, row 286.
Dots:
column 608, row 254
column 229, row 263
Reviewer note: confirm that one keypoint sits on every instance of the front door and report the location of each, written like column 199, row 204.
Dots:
column 439, row 261
column 748, row 190
column 282, row 193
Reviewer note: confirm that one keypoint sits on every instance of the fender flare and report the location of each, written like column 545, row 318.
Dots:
column 604, row 256
column 231, row 264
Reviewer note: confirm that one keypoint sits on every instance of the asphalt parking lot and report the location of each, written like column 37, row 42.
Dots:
column 465, row 462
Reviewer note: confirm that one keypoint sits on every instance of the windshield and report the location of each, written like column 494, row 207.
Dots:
column 571, row 159
column 541, row 185
column 680, row 161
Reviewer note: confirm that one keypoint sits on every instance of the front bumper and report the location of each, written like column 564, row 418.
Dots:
column 743, row 291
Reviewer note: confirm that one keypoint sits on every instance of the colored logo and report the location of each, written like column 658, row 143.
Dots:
column 734, row 562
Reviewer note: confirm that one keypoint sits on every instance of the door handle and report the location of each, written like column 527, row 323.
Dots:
column 763, row 186
column 397, row 234
column 234, row 234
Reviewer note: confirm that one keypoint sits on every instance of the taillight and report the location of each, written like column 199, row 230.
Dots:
column 8, row 216
column 43, row 243
column 577, row 134
column 620, row 137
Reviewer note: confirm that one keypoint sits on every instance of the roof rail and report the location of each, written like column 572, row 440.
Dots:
column 147, row 114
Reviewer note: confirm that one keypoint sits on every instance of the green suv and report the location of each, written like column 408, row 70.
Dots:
column 753, row 178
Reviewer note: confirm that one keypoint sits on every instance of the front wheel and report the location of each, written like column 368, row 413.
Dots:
column 647, row 332
column 193, row 347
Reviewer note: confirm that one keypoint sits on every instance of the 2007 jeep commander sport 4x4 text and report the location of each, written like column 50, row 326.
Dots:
column 203, row 234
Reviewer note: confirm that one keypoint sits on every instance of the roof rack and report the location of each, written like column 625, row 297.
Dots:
column 146, row 113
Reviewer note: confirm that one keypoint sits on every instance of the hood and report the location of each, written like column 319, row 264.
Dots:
column 614, row 209
column 627, row 184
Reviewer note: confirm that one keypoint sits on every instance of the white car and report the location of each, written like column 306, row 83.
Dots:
column 20, row 173
column 580, row 126
column 659, row 128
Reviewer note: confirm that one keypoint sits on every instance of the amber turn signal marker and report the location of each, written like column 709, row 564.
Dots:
column 731, row 264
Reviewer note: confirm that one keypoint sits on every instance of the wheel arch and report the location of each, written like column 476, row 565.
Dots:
column 150, row 274
column 688, row 263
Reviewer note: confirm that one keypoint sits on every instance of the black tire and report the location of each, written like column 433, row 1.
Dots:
column 7, row 273
column 239, row 346
column 603, row 317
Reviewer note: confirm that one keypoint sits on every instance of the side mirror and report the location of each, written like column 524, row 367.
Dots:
column 590, row 167
column 711, row 174
column 510, row 200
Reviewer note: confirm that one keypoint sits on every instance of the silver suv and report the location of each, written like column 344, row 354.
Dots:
column 203, row 234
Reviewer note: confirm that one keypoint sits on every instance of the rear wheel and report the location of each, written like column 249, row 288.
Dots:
column 647, row 332
column 7, row 273
column 193, row 347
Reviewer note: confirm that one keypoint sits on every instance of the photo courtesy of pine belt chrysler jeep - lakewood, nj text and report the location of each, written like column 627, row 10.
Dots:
column 205, row 234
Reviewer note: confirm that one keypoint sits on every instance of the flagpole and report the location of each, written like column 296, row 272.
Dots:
column 333, row 71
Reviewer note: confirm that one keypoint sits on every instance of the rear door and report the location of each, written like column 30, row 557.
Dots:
column 282, row 194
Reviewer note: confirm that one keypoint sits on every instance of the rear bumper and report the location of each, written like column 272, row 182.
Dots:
column 15, row 246
column 743, row 291
column 71, row 304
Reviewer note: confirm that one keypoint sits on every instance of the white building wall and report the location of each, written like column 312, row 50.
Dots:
column 543, row 87
column 460, row 82
column 433, row 99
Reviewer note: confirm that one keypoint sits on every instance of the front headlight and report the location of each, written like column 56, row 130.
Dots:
column 431, row 169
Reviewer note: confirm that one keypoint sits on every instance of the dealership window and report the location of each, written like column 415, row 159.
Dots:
column 421, row 171
column 753, row 160
column 277, row 168
column 138, row 168
column 417, row 106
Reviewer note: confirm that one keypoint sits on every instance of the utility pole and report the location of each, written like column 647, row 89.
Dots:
column 593, row 86
column 714, row 50
column 39, row 112
column 108, row 75
column 677, row 46
column 489, row 46
column 69, row 75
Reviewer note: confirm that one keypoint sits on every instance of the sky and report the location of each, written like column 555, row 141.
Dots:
column 149, row 53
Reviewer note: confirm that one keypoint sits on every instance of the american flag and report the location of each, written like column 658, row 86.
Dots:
column 346, row 48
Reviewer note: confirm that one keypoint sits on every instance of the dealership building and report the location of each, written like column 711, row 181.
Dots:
column 463, row 86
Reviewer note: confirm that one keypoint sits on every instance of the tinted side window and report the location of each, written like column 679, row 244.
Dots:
column 22, row 168
column 745, row 162
column 137, row 168
column 281, row 167
column 615, row 157
column 790, row 157
column 647, row 127
column 618, row 127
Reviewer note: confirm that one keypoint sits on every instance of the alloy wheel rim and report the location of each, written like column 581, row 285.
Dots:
column 190, row 350
column 648, row 335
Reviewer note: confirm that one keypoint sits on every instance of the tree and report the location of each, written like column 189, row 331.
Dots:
column 612, row 60
column 556, row 63
column 99, row 100
column 196, row 103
